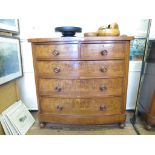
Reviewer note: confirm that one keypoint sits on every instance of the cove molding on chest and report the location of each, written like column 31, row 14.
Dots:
column 81, row 80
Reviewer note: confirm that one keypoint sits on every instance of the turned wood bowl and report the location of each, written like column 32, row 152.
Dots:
column 90, row 34
column 68, row 31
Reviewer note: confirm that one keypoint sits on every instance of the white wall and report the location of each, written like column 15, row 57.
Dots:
column 133, row 83
column 26, row 84
column 44, row 27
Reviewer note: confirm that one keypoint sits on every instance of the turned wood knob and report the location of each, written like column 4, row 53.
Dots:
column 59, row 108
column 57, row 70
column 104, row 52
column 103, row 108
column 58, row 89
column 55, row 53
column 103, row 88
column 103, row 69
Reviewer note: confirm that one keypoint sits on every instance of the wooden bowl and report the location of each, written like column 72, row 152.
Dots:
column 90, row 34
column 109, row 32
column 68, row 31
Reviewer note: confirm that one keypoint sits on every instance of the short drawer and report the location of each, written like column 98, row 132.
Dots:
column 61, row 51
column 81, row 88
column 105, row 106
column 81, row 69
column 103, row 51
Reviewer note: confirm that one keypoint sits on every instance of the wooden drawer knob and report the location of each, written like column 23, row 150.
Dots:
column 104, row 69
column 103, row 108
column 103, row 88
column 57, row 70
column 55, row 53
column 59, row 108
column 104, row 52
column 58, row 89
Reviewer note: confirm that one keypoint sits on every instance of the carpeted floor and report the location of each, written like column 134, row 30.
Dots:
column 53, row 129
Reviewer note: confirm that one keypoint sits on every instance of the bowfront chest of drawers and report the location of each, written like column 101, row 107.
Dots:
column 81, row 80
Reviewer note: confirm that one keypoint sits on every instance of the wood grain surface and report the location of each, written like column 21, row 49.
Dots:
column 80, row 69
column 81, row 80
column 81, row 88
column 104, row 106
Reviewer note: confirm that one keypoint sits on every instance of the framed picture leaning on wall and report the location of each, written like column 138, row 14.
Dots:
column 9, row 25
column 10, row 59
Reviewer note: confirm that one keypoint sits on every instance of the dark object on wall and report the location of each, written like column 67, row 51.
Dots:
column 68, row 31
column 151, row 52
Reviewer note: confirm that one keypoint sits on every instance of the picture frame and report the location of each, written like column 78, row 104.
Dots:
column 9, row 25
column 16, row 119
column 137, row 49
column 10, row 59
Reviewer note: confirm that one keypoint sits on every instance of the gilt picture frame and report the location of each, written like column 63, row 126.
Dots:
column 10, row 59
column 9, row 25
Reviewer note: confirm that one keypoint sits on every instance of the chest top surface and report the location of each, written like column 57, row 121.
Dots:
column 81, row 39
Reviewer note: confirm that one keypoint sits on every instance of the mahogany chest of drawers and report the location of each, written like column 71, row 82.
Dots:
column 81, row 80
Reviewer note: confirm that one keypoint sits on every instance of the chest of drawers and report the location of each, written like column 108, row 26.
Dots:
column 81, row 80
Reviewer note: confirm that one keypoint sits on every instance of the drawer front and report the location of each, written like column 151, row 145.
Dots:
column 81, row 68
column 106, row 106
column 81, row 88
column 103, row 51
column 56, row 51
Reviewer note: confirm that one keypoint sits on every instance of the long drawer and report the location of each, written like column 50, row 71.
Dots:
column 88, row 51
column 79, row 69
column 103, row 51
column 61, row 51
column 81, row 88
column 106, row 106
